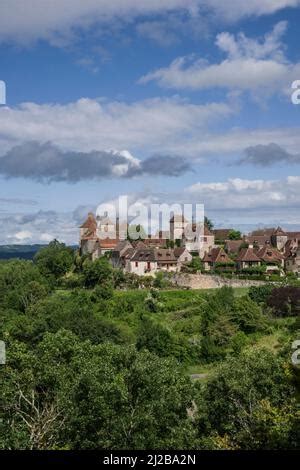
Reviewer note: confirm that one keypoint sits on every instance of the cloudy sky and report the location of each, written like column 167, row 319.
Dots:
column 160, row 100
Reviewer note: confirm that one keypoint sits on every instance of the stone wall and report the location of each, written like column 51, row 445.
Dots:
column 207, row 281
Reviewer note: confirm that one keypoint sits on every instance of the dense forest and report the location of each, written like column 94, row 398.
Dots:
column 96, row 359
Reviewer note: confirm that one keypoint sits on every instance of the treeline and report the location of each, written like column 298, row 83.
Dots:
column 93, row 366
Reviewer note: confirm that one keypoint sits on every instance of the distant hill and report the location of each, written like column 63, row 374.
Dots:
column 20, row 251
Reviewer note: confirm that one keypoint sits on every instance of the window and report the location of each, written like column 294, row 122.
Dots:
column 136, row 264
column 148, row 265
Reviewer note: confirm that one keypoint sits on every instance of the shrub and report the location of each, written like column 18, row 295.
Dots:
column 97, row 272
column 285, row 301
column 260, row 294
column 248, row 315
column 54, row 260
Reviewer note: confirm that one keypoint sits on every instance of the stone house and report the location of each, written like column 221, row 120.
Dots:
column 272, row 258
column 142, row 262
column 147, row 261
column 183, row 256
column 216, row 257
column 247, row 258
column 121, row 253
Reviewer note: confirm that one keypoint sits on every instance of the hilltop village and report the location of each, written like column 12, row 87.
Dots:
column 265, row 252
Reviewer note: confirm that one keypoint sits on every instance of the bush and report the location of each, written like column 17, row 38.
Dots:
column 248, row 315
column 260, row 294
column 104, row 291
column 249, row 401
column 238, row 342
column 21, row 284
column 285, row 301
column 54, row 260
column 97, row 272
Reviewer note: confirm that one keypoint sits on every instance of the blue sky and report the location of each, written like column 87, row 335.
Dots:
column 165, row 101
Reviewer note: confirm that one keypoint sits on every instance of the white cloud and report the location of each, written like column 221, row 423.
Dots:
column 243, row 203
column 236, row 9
column 259, row 66
column 169, row 126
column 46, row 237
column 237, row 193
column 37, row 227
column 58, row 21
column 86, row 125
column 23, row 235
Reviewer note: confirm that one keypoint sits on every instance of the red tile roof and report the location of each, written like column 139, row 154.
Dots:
column 233, row 246
column 259, row 240
column 217, row 255
column 108, row 243
column 247, row 254
column 222, row 234
column 90, row 222
column 269, row 254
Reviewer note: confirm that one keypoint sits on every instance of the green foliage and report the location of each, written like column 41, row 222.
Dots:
column 104, row 291
column 251, row 402
column 117, row 397
column 154, row 337
column 21, row 284
column 223, row 317
column 238, row 342
column 248, row 315
column 54, row 260
column 195, row 266
column 97, row 272
column 152, row 301
column 234, row 235
column 285, row 301
column 159, row 280
column 105, row 368
column 260, row 294
column 208, row 223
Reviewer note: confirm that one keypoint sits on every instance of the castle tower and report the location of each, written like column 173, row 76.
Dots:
column 177, row 227
column 279, row 239
column 89, row 227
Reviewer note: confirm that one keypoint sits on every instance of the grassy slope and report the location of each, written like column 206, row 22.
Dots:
column 181, row 313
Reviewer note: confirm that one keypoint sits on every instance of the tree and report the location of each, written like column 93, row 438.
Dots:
column 234, row 235
column 194, row 266
column 208, row 223
column 97, row 272
column 117, row 397
column 21, row 284
column 154, row 337
column 124, row 399
column 285, row 301
column 103, row 291
column 260, row 294
column 216, row 305
column 248, row 315
column 54, row 260
column 246, row 401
